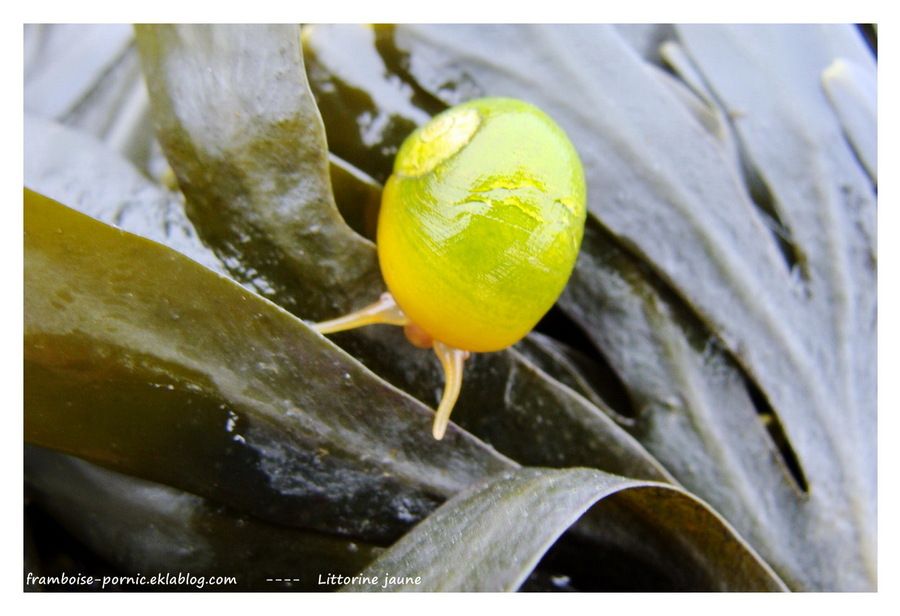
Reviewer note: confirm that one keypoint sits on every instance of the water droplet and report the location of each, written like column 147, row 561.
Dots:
column 560, row 581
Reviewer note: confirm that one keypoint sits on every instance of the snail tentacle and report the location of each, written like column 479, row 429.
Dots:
column 385, row 311
column 452, row 360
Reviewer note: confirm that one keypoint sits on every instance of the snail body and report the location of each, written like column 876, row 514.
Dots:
column 479, row 228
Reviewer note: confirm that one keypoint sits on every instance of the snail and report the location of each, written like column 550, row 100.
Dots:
column 479, row 228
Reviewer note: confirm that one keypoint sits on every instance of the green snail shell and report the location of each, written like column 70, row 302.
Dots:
column 481, row 222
